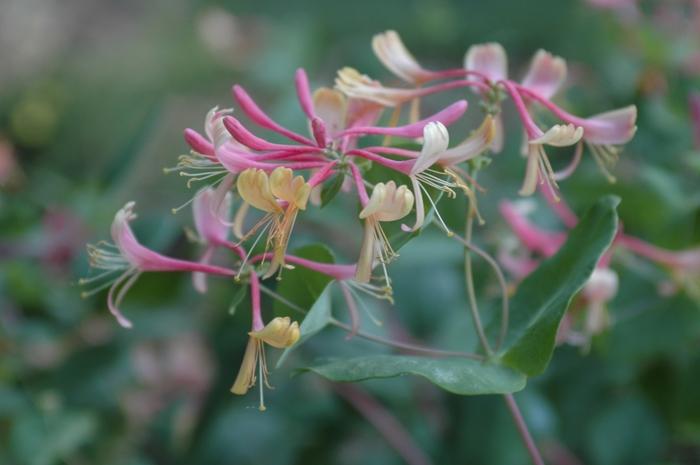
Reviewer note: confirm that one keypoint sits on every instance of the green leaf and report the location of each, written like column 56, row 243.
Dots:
column 543, row 297
column 456, row 375
column 302, row 286
column 331, row 189
column 238, row 297
column 314, row 321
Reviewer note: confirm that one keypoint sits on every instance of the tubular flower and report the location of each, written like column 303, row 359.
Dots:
column 539, row 170
column 212, row 222
column 201, row 163
column 393, row 54
column 600, row 288
column 279, row 333
column 124, row 260
column 605, row 132
column 387, row 203
column 490, row 60
column 281, row 195
column 546, row 74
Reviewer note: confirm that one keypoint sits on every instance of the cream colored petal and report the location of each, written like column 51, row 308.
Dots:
column 393, row 54
column 436, row 139
column 246, row 374
column 397, row 204
column 331, row 106
column 280, row 333
column 376, row 200
column 560, row 135
column 254, row 187
column 474, row 145
column 355, row 85
column 285, row 186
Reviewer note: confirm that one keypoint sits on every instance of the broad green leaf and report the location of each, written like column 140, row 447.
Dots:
column 302, row 286
column 314, row 321
column 457, row 375
column 543, row 297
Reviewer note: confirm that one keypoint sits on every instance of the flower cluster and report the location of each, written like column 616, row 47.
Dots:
column 275, row 181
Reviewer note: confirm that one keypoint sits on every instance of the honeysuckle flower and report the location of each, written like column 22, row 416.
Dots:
column 279, row 333
column 684, row 265
column 123, row 262
column 603, row 133
column 539, row 170
column 535, row 239
column 212, row 220
column 281, row 195
column 435, row 151
column 546, row 74
column 360, row 86
column 600, row 288
column 387, row 203
column 393, row 54
column 490, row 60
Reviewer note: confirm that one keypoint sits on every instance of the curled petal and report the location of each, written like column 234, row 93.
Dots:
column 546, row 75
column 436, row 139
column 285, row 186
column 388, row 202
column 612, row 127
column 474, row 145
column 280, row 333
column 254, row 187
column 488, row 59
column 560, row 135
column 393, row 54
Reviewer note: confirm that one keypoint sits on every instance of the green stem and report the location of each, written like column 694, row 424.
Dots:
column 377, row 339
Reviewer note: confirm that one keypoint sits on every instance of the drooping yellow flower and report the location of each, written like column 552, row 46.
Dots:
column 387, row 203
column 281, row 195
column 280, row 333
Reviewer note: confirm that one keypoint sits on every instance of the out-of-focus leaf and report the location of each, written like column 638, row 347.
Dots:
column 302, row 286
column 44, row 441
column 456, row 375
column 544, row 296
column 238, row 297
column 314, row 321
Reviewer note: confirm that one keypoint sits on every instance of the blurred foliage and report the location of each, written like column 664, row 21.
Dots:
column 93, row 98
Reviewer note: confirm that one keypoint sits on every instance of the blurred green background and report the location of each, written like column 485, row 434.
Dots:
column 93, row 99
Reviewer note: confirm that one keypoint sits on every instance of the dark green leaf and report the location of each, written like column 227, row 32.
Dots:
column 314, row 321
column 543, row 297
column 331, row 189
column 457, row 375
